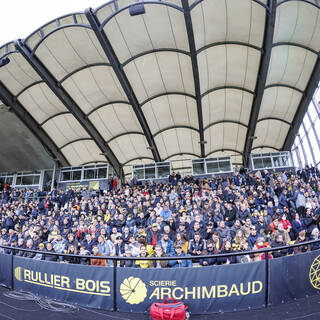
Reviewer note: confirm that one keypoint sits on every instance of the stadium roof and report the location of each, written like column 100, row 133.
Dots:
column 185, row 79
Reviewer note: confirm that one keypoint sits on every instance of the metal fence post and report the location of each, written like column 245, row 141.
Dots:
column 12, row 275
column 266, row 299
column 115, row 262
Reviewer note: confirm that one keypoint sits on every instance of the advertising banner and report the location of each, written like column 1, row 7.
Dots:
column 204, row 290
column 294, row 277
column 77, row 284
column 5, row 269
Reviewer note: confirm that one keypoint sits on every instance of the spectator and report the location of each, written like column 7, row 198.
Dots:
column 159, row 254
column 179, row 263
column 96, row 253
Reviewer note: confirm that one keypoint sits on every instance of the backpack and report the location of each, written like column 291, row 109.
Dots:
column 169, row 310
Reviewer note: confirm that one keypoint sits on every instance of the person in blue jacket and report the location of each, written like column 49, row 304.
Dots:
column 167, row 244
column 180, row 263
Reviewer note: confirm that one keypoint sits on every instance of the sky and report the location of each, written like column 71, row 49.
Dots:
column 19, row 18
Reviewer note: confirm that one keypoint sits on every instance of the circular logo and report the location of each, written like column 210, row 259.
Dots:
column 133, row 290
column 18, row 273
column 314, row 274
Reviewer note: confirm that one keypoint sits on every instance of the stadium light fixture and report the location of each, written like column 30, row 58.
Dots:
column 137, row 9
column 4, row 61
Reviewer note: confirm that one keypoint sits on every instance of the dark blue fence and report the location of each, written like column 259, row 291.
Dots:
column 205, row 289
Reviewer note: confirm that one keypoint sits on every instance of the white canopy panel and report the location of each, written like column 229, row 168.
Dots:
column 185, row 79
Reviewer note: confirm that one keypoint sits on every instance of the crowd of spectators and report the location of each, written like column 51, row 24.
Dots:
column 185, row 217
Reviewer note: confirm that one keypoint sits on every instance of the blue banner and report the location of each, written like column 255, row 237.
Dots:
column 78, row 284
column 294, row 277
column 5, row 269
column 204, row 290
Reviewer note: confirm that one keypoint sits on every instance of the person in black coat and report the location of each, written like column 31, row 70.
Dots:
column 209, row 251
column 47, row 256
column 279, row 243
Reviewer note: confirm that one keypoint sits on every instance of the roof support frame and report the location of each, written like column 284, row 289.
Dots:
column 282, row 85
column 225, row 43
column 33, row 126
column 225, row 88
column 124, row 134
column 276, row 119
column 195, row 69
column 106, row 105
column 199, row 1
column 306, row 1
column 167, row 94
column 141, row 54
column 265, row 146
column 262, row 77
column 175, row 127
column 70, row 104
column 53, row 116
column 303, row 106
column 74, row 141
column 225, row 121
column 293, row 44
column 115, row 63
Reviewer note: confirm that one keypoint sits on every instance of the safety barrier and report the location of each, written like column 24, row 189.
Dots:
column 208, row 289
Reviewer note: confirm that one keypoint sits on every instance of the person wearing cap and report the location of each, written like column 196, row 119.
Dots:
column 39, row 255
column 119, row 247
column 179, row 263
column 153, row 235
column 141, row 233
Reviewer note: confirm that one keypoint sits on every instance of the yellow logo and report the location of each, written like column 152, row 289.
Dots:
column 133, row 290
column 314, row 274
column 18, row 273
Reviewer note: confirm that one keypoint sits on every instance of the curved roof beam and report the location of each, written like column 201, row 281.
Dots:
column 181, row 154
column 124, row 134
column 93, row 162
column 175, row 127
column 306, row 1
column 195, row 69
column 108, row 50
column 226, row 87
column 225, row 121
column 276, row 119
column 7, row 51
column 19, row 110
column 104, row 64
column 53, row 116
column 74, row 141
column 222, row 43
column 222, row 150
column 28, row 87
column 104, row 22
column 303, row 106
column 167, row 94
column 106, row 105
column 262, row 77
column 137, row 158
column 264, row 146
column 199, row 1
column 294, row 44
column 154, row 51
column 283, row 86
column 70, row 104
column 55, row 30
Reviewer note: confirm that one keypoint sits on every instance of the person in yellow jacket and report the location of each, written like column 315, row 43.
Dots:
column 143, row 263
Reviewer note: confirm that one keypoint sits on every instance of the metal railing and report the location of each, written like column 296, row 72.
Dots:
column 115, row 260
